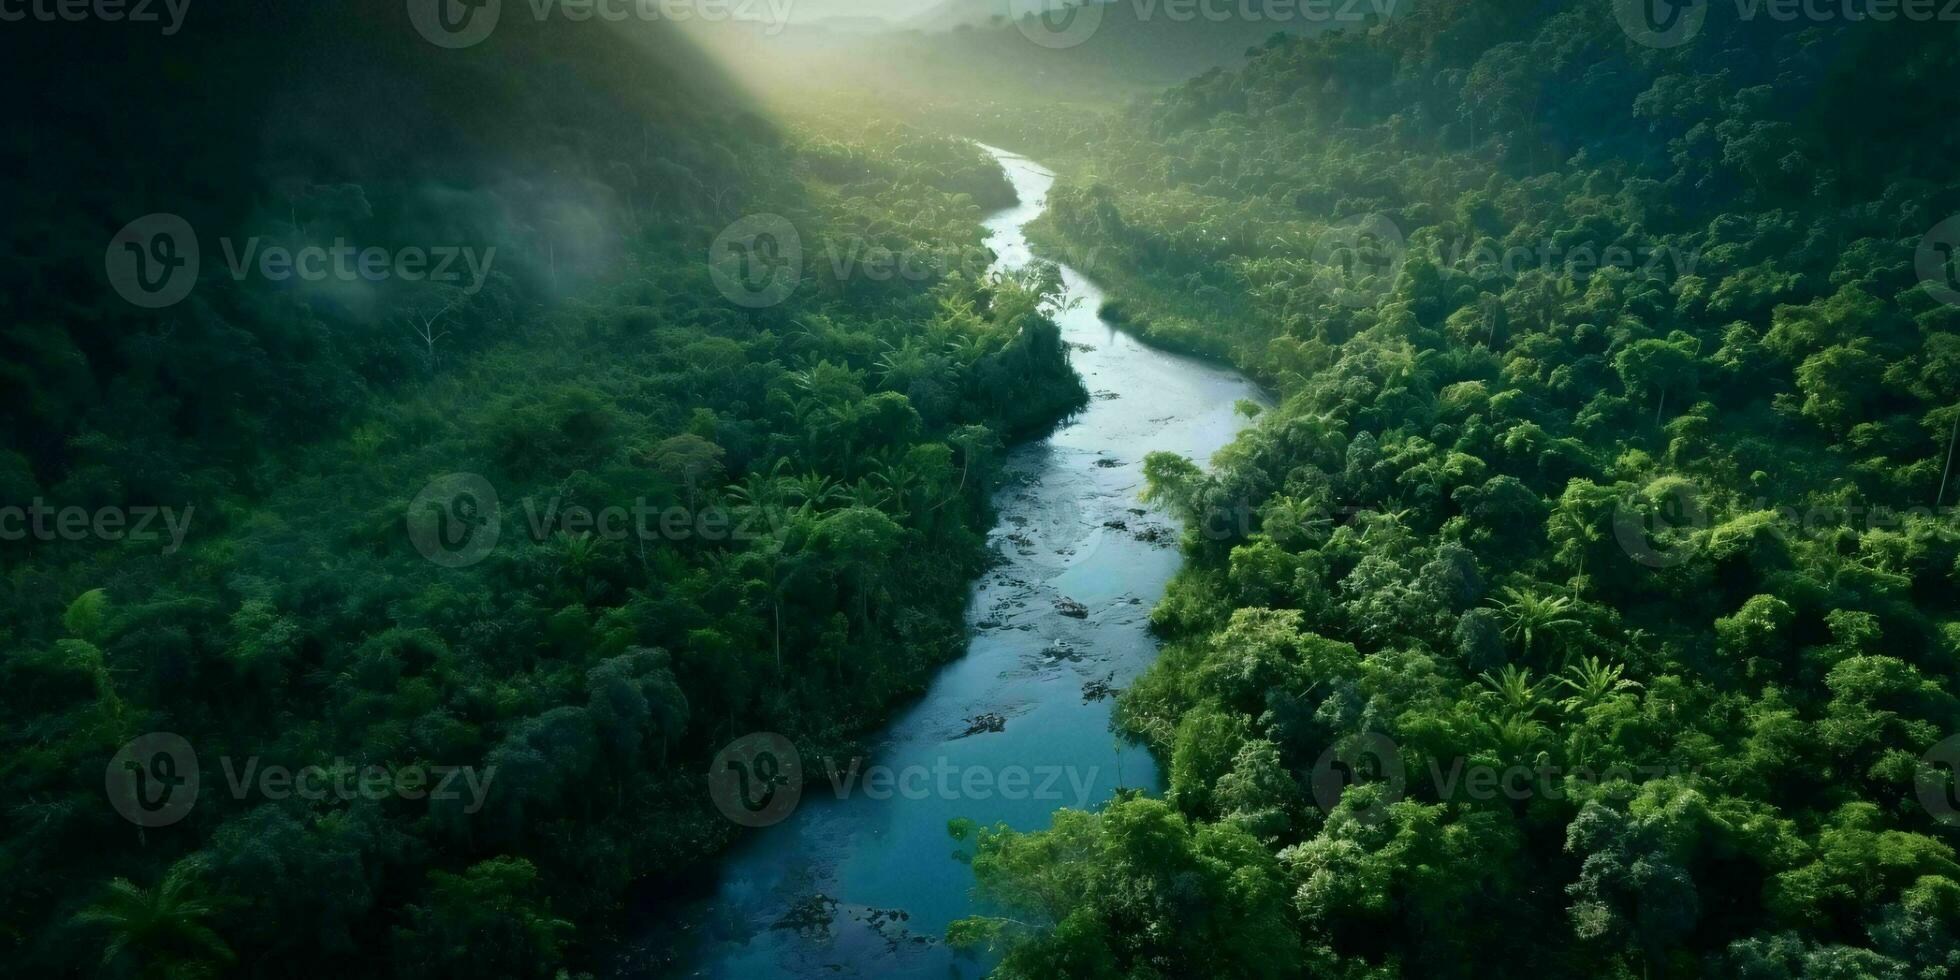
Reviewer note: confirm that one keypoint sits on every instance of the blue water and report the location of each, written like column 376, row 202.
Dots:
column 863, row 884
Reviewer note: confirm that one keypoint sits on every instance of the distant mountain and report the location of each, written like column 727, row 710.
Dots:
column 1001, row 48
column 852, row 25
column 948, row 14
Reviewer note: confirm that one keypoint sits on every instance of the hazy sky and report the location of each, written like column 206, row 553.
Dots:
column 894, row 10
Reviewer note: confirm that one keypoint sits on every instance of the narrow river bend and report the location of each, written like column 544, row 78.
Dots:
column 864, row 885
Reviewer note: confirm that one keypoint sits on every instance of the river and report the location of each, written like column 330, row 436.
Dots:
column 864, row 883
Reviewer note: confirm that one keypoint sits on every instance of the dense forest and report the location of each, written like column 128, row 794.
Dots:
column 1586, row 604
column 963, row 56
column 1620, row 383
column 827, row 458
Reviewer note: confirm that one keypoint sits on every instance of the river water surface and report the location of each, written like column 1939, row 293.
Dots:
column 863, row 884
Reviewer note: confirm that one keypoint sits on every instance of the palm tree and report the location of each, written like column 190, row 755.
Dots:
column 1309, row 519
column 903, row 362
column 160, row 929
column 767, row 562
column 1528, row 616
column 963, row 348
column 1513, row 727
column 973, row 442
column 576, row 552
column 1389, row 520
column 1591, row 681
column 808, row 334
column 825, row 381
column 864, row 493
column 1516, row 736
column 782, row 569
column 1517, row 694
column 899, row 479
column 759, row 493
column 1952, row 438
column 813, row 491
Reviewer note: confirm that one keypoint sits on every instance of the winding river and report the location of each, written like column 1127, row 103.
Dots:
column 862, row 882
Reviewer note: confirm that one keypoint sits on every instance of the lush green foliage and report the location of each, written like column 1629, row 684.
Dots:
column 850, row 433
column 1654, row 522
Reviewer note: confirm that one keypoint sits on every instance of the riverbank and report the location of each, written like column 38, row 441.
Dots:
column 1137, row 305
column 859, row 876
